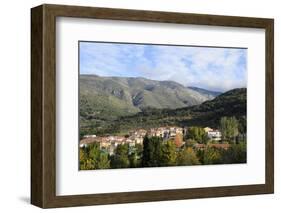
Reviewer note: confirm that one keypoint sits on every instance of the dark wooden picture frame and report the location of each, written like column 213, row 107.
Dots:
column 43, row 105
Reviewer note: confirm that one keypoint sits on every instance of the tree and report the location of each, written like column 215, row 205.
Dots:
column 168, row 156
column 83, row 158
column 229, row 128
column 88, row 165
column 237, row 153
column 92, row 157
column 198, row 134
column 211, row 155
column 151, row 151
column 242, row 125
column 133, row 159
column 190, row 143
column 147, row 149
column 200, row 155
column 242, row 128
column 139, row 149
column 135, row 156
column 94, row 154
column 103, row 161
column 120, row 159
column 187, row 156
column 178, row 140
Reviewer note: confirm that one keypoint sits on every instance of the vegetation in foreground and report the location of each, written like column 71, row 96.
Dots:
column 179, row 151
column 156, row 153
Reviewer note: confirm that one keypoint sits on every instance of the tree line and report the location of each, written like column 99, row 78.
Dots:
column 157, row 153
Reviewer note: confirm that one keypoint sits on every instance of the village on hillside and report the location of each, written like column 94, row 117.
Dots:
column 109, row 143
column 165, row 146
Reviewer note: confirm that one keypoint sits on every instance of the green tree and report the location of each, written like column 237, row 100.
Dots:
column 92, row 157
column 168, row 155
column 237, row 153
column 212, row 155
column 151, row 151
column 88, row 165
column 200, row 155
column 242, row 128
column 147, row 150
column 83, row 158
column 120, row 159
column 103, row 161
column 135, row 156
column 190, row 143
column 229, row 128
column 133, row 159
column 139, row 149
column 198, row 134
column 187, row 156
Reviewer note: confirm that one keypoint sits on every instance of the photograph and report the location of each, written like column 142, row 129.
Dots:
column 159, row 105
column 140, row 105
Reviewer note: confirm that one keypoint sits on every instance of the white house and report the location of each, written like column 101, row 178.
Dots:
column 90, row 136
column 213, row 134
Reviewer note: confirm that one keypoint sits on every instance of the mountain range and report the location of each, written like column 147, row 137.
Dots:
column 118, row 104
column 120, row 96
column 209, row 94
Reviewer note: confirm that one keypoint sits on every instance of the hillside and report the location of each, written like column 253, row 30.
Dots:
column 209, row 94
column 231, row 103
column 107, row 98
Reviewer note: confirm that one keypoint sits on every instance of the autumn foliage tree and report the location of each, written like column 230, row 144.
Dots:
column 187, row 156
column 178, row 140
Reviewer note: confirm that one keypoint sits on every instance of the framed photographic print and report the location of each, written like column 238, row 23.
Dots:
column 136, row 106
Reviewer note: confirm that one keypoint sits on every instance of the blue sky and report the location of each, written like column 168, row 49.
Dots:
column 218, row 69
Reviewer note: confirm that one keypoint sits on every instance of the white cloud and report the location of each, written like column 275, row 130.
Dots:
column 211, row 68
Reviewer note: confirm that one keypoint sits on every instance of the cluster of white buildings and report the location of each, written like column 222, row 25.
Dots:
column 213, row 134
column 166, row 132
column 109, row 143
